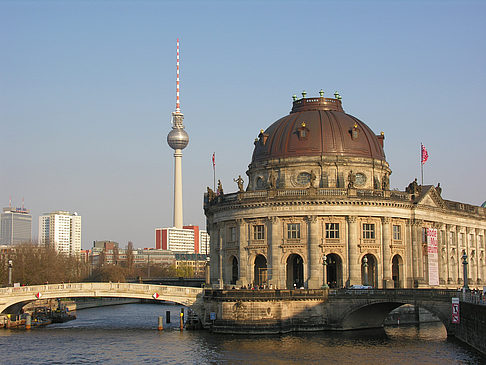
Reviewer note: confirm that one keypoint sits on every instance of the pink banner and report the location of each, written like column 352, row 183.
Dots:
column 433, row 256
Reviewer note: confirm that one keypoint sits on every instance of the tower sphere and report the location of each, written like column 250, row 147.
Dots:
column 178, row 139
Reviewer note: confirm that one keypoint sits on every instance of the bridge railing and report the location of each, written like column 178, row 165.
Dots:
column 149, row 288
column 474, row 298
column 265, row 294
column 401, row 293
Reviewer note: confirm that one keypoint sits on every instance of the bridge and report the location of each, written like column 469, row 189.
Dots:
column 257, row 311
column 12, row 299
column 277, row 311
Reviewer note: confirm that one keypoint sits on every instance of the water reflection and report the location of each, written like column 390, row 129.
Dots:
column 127, row 334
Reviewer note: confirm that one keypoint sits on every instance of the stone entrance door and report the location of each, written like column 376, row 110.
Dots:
column 260, row 271
column 295, row 271
column 234, row 270
column 334, row 271
column 397, row 263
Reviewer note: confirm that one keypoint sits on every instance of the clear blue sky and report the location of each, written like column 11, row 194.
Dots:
column 87, row 89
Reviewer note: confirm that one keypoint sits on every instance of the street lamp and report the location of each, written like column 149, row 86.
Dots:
column 10, row 266
column 365, row 265
column 207, row 272
column 324, row 266
column 464, row 262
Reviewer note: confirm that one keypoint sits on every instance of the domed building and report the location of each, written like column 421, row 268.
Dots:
column 318, row 211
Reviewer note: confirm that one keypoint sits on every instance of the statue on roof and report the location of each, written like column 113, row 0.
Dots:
column 386, row 182
column 272, row 180
column 413, row 187
column 220, row 188
column 211, row 194
column 438, row 189
column 351, row 180
column 239, row 181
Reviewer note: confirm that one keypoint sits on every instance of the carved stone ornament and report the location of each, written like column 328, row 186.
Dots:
column 351, row 218
column 311, row 218
column 274, row 220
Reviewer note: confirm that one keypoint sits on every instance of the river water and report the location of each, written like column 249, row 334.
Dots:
column 127, row 334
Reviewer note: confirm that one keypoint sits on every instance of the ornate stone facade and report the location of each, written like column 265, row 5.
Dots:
column 318, row 210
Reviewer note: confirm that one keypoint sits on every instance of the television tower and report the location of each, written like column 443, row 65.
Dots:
column 177, row 140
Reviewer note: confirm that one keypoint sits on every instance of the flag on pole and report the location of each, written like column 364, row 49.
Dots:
column 214, row 164
column 425, row 155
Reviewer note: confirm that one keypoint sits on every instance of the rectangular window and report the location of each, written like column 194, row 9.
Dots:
column 293, row 231
column 397, row 234
column 451, row 238
column 368, row 231
column 461, row 239
column 232, row 234
column 332, row 230
column 259, row 232
column 480, row 241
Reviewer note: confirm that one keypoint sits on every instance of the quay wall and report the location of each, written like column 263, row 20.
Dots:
column 260, row 312
column 472, row 326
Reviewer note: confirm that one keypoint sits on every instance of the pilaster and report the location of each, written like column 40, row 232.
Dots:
column 314, row 268
column 386, row 242
column 354, row 272
column 275, row 252
column 243, row 264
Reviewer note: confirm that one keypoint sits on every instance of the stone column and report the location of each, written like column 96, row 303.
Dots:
column 479, row 232
column 221, row 254
column 448, row 248
column 354, row 265
column 459, row 256
column 275, row 253
column 416, row 249
column 408, row 259
column 214, row 252
column 420, row 257
column 242, row 253
column 387, row 241
column 314, row 267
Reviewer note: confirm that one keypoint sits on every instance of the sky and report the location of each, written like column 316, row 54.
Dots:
column 87, row 89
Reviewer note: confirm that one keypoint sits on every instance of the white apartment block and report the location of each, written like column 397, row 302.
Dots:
column 62, row 231
column 189, row 239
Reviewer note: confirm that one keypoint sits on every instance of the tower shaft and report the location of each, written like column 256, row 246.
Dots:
column 178, row 188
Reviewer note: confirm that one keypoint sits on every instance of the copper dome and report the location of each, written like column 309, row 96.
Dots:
column 318, row 127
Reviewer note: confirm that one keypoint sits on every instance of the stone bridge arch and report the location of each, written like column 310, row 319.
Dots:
column 360, row 310
column 13, row 299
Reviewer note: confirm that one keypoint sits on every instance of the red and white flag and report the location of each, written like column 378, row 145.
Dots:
column 214, row 164
column 425, row 155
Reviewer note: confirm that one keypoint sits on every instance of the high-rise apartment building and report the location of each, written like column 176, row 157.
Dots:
column 189, row 239
column 16, row 226
column 61, row 230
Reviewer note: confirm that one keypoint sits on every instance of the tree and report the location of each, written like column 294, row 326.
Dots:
column 130, row 257
column 33, row 264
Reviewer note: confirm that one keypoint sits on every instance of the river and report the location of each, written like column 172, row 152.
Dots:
column 127, row 334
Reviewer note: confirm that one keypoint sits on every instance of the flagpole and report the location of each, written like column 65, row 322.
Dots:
column 214, row 173
column 422, row 162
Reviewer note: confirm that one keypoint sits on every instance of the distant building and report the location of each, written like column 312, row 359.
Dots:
column 194, row 260
column 61, row 230
column 111, row 254
column 16, row 226
column 189, row 239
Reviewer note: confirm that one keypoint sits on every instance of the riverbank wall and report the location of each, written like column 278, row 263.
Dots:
column 265, row 312
column 472, row 326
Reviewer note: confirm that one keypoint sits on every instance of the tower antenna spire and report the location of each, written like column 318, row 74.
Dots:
column 178, row 102
column 177, row 140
